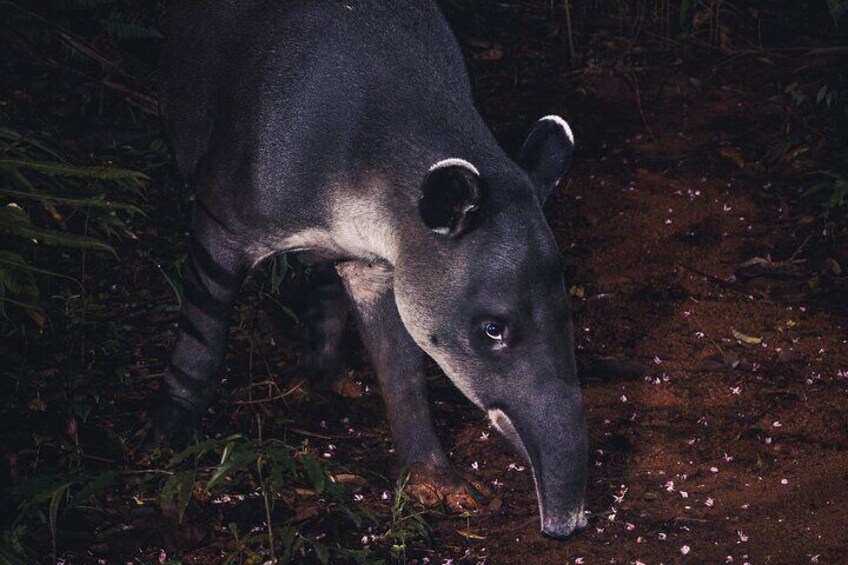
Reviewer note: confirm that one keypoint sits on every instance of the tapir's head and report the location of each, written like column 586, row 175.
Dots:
column 484, row 296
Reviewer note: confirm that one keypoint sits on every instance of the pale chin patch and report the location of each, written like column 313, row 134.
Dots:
column 456, row 162
column 504, row 425
column 563, row 124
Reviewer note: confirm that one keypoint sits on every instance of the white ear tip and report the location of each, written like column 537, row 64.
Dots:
column 455, row 162
column 562, row 123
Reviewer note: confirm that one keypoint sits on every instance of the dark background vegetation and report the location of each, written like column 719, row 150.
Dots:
column 92, row 239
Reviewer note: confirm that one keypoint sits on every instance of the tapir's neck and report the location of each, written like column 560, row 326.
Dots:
column 380, row 220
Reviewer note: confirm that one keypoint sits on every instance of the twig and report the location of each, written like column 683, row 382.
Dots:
column 801, row 247
column 828, row 51
column 271, row 398
column 569, row 31
column 266, row 499
column 696, row 520
column 639, row 106
column 733, row 287
column 719, row 281
column 311, row 434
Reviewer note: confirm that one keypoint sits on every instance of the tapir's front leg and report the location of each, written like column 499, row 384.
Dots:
column 398, row 363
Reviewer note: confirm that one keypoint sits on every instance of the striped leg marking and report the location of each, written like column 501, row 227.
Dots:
column 210, row 286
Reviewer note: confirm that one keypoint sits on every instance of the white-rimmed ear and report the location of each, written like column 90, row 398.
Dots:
column 546, row 154
column 451, row 195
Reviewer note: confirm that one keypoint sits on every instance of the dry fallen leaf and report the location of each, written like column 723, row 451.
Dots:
column 304, row 513
column 495, row 505
column 350, row 480
column 733, row 155
column 470, row 535
column 749, row 339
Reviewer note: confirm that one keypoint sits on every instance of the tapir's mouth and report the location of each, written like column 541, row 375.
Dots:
column 560, row 527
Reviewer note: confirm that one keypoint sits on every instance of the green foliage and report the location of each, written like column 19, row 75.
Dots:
column 45, row 200
column 407, row 523
column 319, row 523
column 831, row 194
column 58, row 492
column 275, row 468
column 837, row 8
column 129, row 25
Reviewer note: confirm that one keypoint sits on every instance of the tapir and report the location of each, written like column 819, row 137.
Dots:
column 346, row 130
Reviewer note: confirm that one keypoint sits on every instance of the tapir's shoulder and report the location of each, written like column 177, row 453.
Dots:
column 304, row 76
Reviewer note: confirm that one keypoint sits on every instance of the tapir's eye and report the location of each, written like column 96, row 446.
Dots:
column 494, row 330
column 493, row 334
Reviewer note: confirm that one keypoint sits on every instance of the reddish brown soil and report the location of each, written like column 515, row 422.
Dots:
column 721, row 451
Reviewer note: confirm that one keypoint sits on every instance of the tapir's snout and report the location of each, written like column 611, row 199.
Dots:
column 547, row 424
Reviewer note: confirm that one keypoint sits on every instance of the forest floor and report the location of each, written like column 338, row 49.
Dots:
column 711, row 313
column 731, row 446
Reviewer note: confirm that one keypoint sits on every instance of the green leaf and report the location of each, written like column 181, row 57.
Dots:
column 55, row 501
column 177, row 490
column 352, row 516
column 24, row 140
column 14, row 221
column 94, row 202
column 838, row 8
column 314, row 472
column 16, row 275
column 288, row 536
column 97, row 485
column 684, row 13
column 235, row 462
column 322, row 551
column 10, row 556
column 129, row 26
column 200, row 449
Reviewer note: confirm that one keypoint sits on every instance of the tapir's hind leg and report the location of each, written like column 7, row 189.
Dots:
column 399, row 366
column 213, row 275
column 326, row 316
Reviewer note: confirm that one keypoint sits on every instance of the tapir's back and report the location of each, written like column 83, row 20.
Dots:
column 248, row 81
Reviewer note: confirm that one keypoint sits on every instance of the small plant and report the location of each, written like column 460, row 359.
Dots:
column 831, row 194
column 837, row 8
column 265, row 469
column 59, row 492
column 307, row 513
column 45, row 200
column 407, row 523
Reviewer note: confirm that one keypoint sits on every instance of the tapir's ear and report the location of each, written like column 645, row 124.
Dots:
column 546, row 154
column 450, row 197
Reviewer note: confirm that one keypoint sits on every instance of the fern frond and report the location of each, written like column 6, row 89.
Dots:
column 63, row 170
column 14, row 221
column 129, row 26
column 94, row 202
